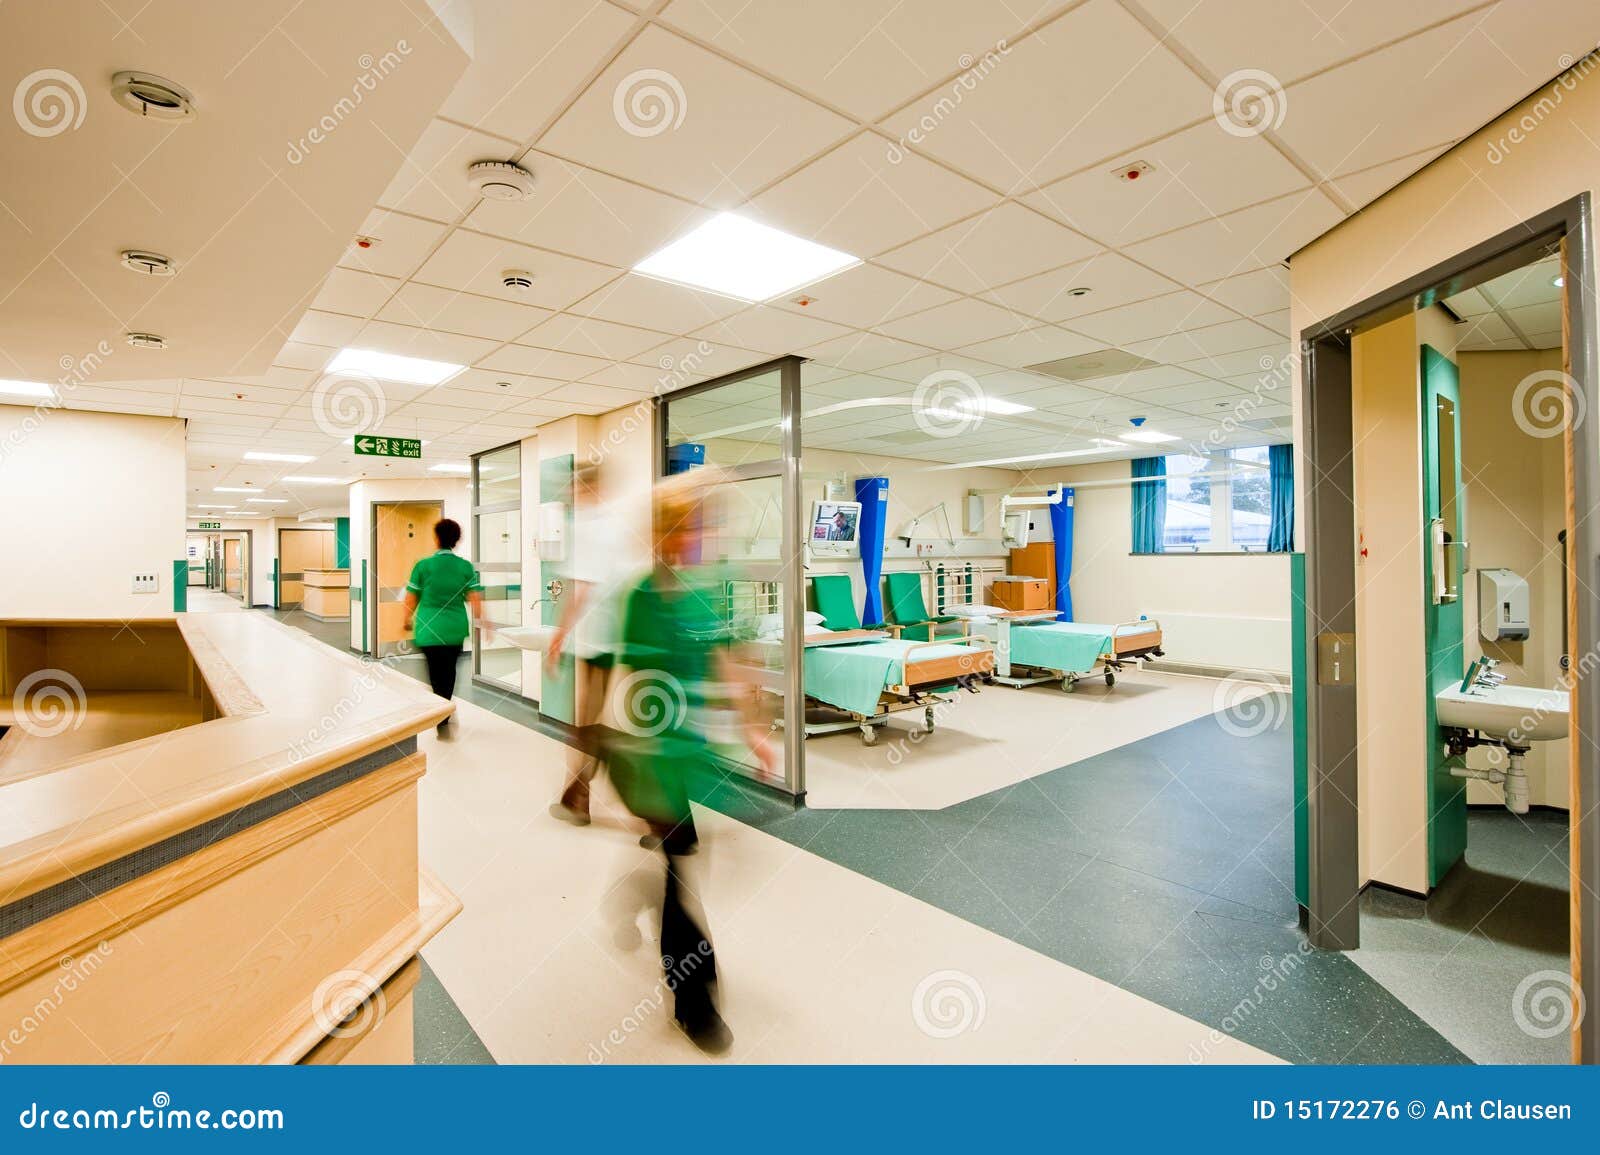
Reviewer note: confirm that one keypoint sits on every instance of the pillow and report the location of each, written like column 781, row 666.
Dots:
column 815, row 619
column 973, row 611
column 769, row 625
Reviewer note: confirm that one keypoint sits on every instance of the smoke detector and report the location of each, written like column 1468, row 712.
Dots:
column 151, row 264
column 146, row 341
column 152, row 96
column 500, row 180
column 517, row 280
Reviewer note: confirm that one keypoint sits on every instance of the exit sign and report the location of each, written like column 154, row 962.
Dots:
column 388, row 447
column 208, row 525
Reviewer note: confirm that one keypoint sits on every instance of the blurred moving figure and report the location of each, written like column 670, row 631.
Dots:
column 590, row 626
column 675, row 646
column 442, row 588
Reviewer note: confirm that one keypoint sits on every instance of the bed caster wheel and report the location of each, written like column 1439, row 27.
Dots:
column 869, row 736
column 1111, row 678
column 1068, row 685
column 928, row 715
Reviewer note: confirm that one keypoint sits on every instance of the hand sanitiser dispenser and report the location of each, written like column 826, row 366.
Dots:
column 1502, row 605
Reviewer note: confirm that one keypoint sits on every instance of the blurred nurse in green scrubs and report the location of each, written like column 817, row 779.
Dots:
column 444, row 586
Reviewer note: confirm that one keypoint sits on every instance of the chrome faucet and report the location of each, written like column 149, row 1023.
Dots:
column 1487, row 677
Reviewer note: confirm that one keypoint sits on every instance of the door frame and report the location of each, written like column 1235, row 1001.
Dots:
column 247, row 545
column 278, row 575
column 478, row 678
column 1330, row 545
column 790, row 567
column 371, row 596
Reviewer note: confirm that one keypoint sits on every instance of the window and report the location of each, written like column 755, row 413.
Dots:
column 1219, row 502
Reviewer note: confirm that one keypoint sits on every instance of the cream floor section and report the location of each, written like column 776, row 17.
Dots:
column 1001, row 736
column 817, row 963
column 203, row 601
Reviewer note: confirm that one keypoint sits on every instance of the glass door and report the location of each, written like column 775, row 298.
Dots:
column 497, row 550
column 746, row 426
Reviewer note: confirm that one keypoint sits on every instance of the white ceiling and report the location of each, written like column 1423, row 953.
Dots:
column 1517, row 310
column 967, row 152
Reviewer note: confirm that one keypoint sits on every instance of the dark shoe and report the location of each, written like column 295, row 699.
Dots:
column 707, row 1031
column 656, row 842
column 565, row 813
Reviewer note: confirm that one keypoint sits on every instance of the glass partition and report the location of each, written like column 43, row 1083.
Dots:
column 497, row 552
column 746, row 425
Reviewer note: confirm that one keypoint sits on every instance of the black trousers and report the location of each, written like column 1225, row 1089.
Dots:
column 687, row 962
column 442, row 668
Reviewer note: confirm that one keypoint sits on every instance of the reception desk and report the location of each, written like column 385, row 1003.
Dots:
column 208, row 845
column 325, row 594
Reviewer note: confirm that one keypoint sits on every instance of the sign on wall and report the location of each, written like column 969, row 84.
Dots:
column 369, row 446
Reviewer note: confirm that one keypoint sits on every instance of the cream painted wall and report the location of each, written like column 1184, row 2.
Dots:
column 1227, row 612
column 93, row 498
column 1516, row 495
column 455, row 492
column 1536, row 155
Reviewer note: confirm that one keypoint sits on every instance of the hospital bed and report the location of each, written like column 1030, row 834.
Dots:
column 866, row 675
column 1031, row 647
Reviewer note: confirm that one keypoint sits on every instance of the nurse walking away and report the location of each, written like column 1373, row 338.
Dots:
column 442, row 588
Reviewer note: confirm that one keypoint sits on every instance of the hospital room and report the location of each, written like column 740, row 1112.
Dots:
column 1007, row 575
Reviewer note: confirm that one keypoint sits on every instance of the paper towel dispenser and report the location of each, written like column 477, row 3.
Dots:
column 1502, row 605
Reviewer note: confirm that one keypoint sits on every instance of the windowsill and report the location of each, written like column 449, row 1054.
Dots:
column 1213, row 553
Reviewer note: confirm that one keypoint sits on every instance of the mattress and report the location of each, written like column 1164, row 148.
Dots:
column 852, row 677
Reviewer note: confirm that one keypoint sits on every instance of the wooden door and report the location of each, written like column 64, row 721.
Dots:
column 404, row 532
column 298, row 551
column 232, row 567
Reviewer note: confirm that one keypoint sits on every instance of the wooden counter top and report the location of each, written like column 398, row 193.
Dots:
column 290, row 709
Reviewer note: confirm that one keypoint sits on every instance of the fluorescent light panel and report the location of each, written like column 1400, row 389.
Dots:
column 393, row 367
column 267, row 500
column 26, row 389
column 233, row 489
column 296, row 480
column 204, row 506
column 1149, row 436
column 449, row 467
column 988, row 406
column 740, row 258
column 290, row 458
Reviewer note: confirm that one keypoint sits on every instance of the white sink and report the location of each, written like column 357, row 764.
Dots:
column 1520, row 714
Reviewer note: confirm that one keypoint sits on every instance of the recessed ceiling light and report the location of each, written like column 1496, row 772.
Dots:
column 393, row 367
column 152, row 96
column 267, row 500
column 204, row 506
column 291, row 458
column 298, row 480
column 740, row 258
column 1558, row 280
column 500, row 180
column 986, row 405
column 1148, row 435
column 26, row 389
column 233, row 489
column 450, row 467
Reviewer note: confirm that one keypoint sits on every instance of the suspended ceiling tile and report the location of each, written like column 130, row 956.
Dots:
column 1240, row 242
column 994, row 248
column 1092, row 286
column 655, row 304
column 593, row 337
column 1032, row 346
column 354, row 293
column 867, row 196
column 402, row 243
column 718, row 134
column 772, row 330
column 493, row 318
column 474, row 263
column 1084, row 86
column 1159, row 315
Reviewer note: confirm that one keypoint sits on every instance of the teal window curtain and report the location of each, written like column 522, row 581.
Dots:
column 1149, row 504
column 1280, row 471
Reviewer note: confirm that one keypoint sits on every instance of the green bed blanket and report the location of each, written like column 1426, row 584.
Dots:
column 1071, row 647
column 851, row 677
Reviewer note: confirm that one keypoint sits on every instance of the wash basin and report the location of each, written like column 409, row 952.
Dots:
column 1519, row 714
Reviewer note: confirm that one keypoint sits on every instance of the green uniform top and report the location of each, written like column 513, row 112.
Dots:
column 441, row 583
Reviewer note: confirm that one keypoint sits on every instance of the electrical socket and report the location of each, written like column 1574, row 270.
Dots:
column 146, row 583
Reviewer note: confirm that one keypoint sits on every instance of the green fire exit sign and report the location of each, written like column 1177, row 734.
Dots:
column 370, row 446
column 208, row 525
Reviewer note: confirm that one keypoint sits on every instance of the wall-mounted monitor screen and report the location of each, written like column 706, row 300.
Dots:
column 835, row 529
